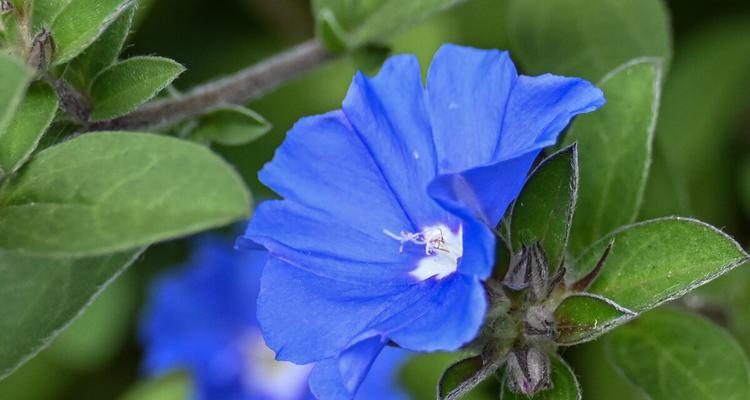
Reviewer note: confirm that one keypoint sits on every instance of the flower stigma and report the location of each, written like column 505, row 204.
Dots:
column 443, row 248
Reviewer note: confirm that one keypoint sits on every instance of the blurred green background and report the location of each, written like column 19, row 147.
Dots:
column 701, row 168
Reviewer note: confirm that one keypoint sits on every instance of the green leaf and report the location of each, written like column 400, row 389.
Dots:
column 79, row 24
column 421, row 372
column 43, row 12
column 105, row 192
column 33, row 117
column 697, row 135
column 544, row 210
column 126, row 85
column 41, row 296
column 101, row 54
column 673, row 354
column 614, row 144
column 587, row 38
column 14, row 76
column 659, row 260
column 231, row 126
column 564, row 385
column 360, row 22
column 584, row 317
column 459, row 377
column 95, row 338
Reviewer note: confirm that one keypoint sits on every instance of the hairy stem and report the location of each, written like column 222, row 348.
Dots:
column 244, row 86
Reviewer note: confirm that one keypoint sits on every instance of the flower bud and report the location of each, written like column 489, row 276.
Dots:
column 519, row 275
column 41, row 51
column 6, row 6
column 530, row 269
column 528, row 371
column 539, row 323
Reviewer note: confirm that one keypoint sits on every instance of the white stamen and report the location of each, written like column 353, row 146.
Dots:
column 442, row 247
column 416, row 155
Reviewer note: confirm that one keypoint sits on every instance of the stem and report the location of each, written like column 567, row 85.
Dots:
column 244, row 86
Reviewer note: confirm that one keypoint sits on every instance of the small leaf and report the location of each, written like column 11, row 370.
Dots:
column 544, row 209
column 231, row 126
column 673, row 354
column 564, row 385
column 659, row 260
column 82, row 21
column 14, row 76
column 587, row 38
column 331, row 33
column 41, row 296
column 126, row 85
column 459, row 374
column 101, row 54
column 106, row 192
column 367, row 21
column 615, row 147
column 584, row 317
column 33, row 117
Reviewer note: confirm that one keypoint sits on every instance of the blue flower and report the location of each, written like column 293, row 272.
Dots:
column 385, row 230
column 201, row 318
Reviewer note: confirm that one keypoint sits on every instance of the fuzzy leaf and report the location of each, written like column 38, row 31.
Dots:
column 587, row 38
column 564, row 385
column 615, row 147
column 14, row 76
column 126, row 85
column 43, row 12
column 460, row 378
column 659, row 260
column 79, row 24
column 106, row 192
column 231, row 126
column 673, row 354
column 544, row 209
column 40, row 296
column 584, row 317
column 101, row 54
column 33, row 117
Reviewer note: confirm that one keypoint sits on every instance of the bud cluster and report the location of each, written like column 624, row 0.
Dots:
column 522, row 316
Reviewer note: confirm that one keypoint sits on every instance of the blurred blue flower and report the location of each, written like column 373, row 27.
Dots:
column 385, row 230
column 201, row 318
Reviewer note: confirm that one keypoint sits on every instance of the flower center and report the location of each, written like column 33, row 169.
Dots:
column 443, row 248
column 279, row 379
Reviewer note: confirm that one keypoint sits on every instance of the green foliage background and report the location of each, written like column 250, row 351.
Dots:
column 701, row 169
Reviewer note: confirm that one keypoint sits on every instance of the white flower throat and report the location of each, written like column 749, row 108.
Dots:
column 443, row 248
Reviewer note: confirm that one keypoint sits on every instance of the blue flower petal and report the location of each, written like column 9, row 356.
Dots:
column 382, row 382
column 389, row 114
column 306, row 318
column 339, row 378
column 534, row 112
column 467, row 92
column 539, row 108
column 456, row 310
column 324, row 165
column 468, row 193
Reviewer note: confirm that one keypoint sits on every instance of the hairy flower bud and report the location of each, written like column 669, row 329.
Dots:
column 528, row 371
column 42, row 50
column 6, row 6
column 530, row 269
column 539, row 323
